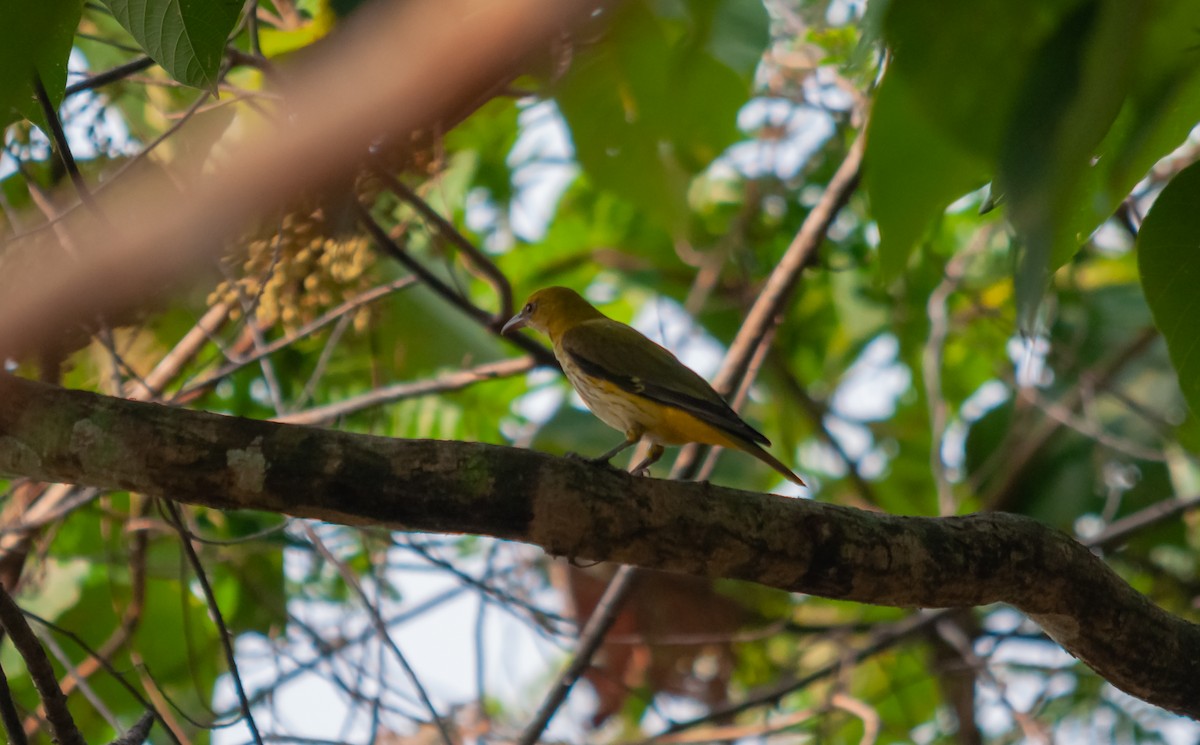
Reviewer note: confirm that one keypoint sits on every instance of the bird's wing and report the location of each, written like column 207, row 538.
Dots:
column 612, row 351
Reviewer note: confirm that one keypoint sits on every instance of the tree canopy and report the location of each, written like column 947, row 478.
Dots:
column 272, row 472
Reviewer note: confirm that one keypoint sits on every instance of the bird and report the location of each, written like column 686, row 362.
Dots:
column 634, row 385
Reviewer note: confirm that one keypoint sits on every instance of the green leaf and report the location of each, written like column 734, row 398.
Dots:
column 912, row 172
column 1169, row 262
column 650, row 108
column 34, row 36
column 186, row 37
column 1162, row 107
column 1069, row 100
column 735, row 32
column 965, row 61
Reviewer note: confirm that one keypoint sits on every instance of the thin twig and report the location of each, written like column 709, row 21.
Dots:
column 184, row 351
column 252, row 28
column 882, row 640
column 953, row 635
column 866, row 714
column 931, row 366
column 120, row 72
column 802, row 251
column 381, row 629
column 210, row 597
column 480, row 628
column 59, row 138
column 1121, row 530
column 768, row 307
column 816, row 412
column 506, row 601
column 91, row 652
column 74, row 681
column 318, row 372
column 270, row 379
column 1093, row 430
column 446, row 229
column 330, row 316
column 758, row 356
column 1020, row 448
column 127, row 165
column 391, row 248
column 328, row 649
column 590, row 639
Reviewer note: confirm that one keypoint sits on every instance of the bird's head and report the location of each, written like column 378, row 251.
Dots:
column 552, row 310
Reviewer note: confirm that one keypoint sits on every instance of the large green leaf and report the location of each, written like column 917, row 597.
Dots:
column 1169, row 262
column 913, row 172
column 34, row 36
column 1162, row 107
column 1072, row 94
column 936, row 128
column 965, row 61
column 733, row 31
column 186, row 37
column 1066, row 104
column 649, row 108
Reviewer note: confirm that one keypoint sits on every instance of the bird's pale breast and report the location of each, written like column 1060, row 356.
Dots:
column 616, row 408
column 636, row 415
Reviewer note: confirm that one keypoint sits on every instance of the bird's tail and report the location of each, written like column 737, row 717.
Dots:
column 758, row 452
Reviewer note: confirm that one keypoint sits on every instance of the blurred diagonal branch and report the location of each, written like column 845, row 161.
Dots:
column 415, row 65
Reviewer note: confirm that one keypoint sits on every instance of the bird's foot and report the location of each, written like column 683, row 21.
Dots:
column 600, row 461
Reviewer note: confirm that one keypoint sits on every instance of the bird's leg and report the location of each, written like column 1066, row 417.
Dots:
column 613, row 453
column 643, row 468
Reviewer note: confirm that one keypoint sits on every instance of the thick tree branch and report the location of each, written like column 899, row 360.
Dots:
column 577, row 509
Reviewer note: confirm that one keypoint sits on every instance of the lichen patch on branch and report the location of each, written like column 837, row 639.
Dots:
column 248, row 466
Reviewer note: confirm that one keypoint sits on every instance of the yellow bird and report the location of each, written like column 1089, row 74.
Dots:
column 634, row 385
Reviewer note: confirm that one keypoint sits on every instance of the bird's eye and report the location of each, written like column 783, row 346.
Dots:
column 528, row 308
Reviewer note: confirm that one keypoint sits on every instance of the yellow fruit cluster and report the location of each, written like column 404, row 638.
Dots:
column 299, row 268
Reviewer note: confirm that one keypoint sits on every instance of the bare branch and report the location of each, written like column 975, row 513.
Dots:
column 226, row 639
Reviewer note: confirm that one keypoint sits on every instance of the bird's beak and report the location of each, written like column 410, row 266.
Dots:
column 514, row 323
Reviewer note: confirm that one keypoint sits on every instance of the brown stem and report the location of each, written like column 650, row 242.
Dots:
column 9, row 714
column 447, row 230
column 62, row 724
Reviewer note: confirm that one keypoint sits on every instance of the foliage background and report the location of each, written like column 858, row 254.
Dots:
column 988, row 325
